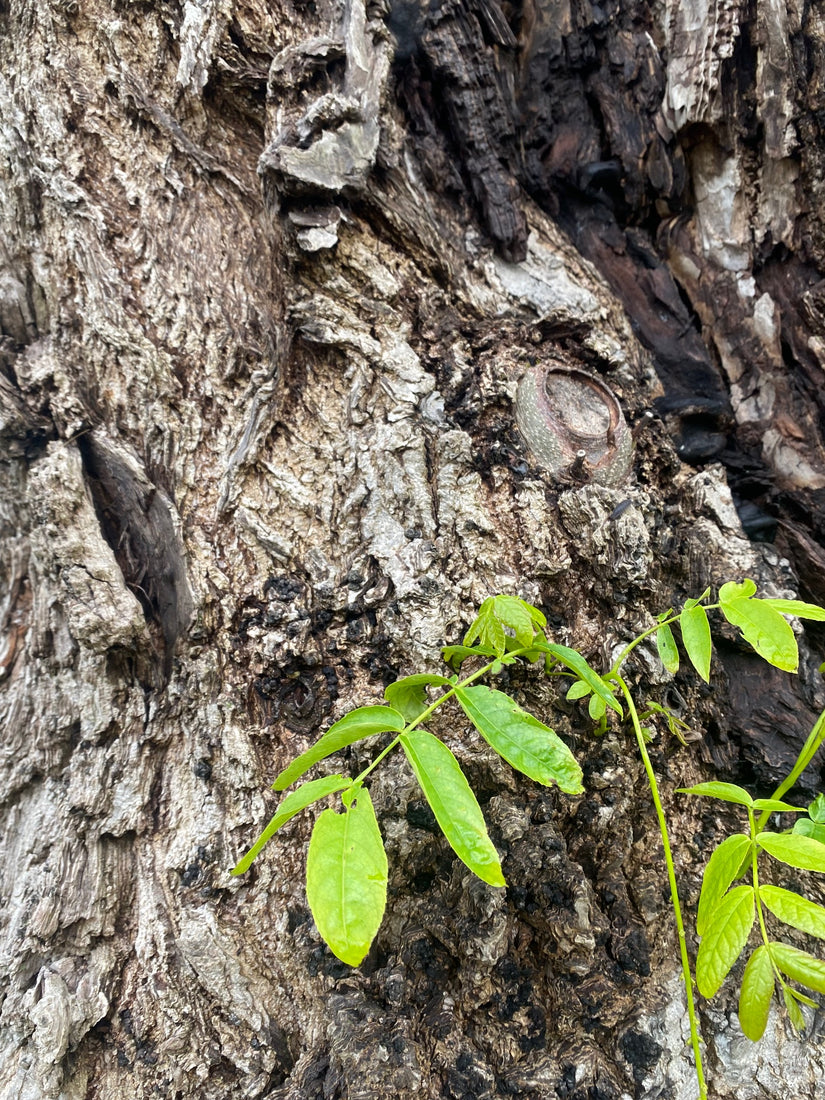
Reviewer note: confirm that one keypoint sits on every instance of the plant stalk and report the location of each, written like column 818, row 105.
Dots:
column 695, row 1037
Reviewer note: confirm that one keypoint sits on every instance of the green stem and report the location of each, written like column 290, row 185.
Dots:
column 808, row 752
column 695, row 1037
column 763, row 929
column 433, row 706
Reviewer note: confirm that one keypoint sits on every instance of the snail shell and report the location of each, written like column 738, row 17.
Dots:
column 572, row 422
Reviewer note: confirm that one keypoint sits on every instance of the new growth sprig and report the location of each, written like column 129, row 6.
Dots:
column 347, row 864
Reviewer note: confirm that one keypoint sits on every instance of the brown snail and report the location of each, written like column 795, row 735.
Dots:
column 574, row 424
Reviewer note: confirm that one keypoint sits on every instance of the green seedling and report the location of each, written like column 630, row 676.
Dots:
column 347, row 864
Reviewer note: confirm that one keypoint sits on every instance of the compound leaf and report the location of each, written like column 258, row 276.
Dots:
column 360, row 723
column 524, row 742
column 727, row 792
column 761, row 624
column 347, row 878
column 693, row 622
column 794, row 849
column 756, row 992
column 795, row 910
column 726, row 934
column 722, row 869
column 799, row 966
column 666, row 645
column 453, row 803
column 294, row 802
column 409, row 695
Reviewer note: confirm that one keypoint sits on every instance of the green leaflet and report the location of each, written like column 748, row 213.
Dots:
column 814, row 825
column 693, row 622
column 794, row 910
column 347, row 878
column 755, row 994
column 666, row 645
column 455, row 655
column 761, row 625
column 725, row 935
column 799, row 966
column 487, row 628
column 294, row 802
column 409, row 695
column 578, row 691
column 596, row 708
column 806, row 827
column 775, row 805
column 522, row 618
column 524, row 742
column 793, row 849
column 727, row 792
column 363, row 722
column 453, row 803
column 576, row 663
column 798, row 608
column 722, row 869
column 794, row 1011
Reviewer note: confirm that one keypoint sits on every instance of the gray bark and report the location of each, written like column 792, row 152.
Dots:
column 270, row 277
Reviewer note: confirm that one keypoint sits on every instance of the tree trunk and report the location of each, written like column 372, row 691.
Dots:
column 270, row 277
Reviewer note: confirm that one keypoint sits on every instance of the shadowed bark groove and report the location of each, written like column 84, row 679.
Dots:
column 269, row 278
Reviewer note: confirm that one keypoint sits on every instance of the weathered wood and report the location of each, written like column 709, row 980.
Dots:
column 270, row 277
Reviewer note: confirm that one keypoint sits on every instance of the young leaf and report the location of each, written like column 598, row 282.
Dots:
column 794, row 1011
column 794, row 910
column 793, row 849
column 799, row 966
column 360, row 723
column 409, row 695
column 347, row 878
column 487, row 628
column 596, row 708
column 453, row 803
column 722, row 869
column 727, row 792
column 523, row 741
column 693, row 622
column 816, row 810
column 756, row 992
column 725, row 936
column 762, row 626
column 578, row 691
column 666, row 645
column 294, row 802
column 735, row 590
column 514, row 613
column 798, row 608
column 576, row 663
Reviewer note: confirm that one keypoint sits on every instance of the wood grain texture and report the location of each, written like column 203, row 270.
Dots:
column 258, row 457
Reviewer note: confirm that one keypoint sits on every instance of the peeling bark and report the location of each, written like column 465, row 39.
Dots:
column 269, row 279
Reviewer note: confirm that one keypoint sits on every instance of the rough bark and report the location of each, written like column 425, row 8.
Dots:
column 270, row 276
